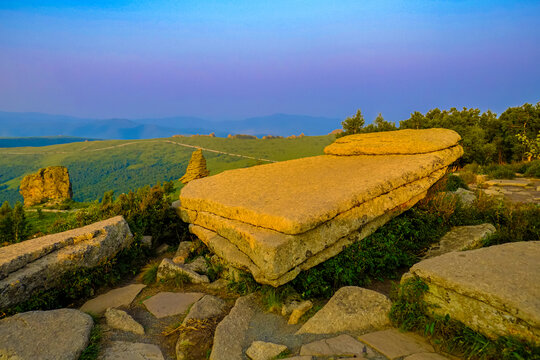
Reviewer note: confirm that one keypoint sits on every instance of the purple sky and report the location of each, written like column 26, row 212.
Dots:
column 235, row 59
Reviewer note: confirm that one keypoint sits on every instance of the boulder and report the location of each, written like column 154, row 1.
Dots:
column 123, row 350
column 49, row 185
column 168, row 270
column 183, row 251
column 119, row 319
column 260, row 350
column 466, row 197
column 461, row 238
column 207, row 307
column 56, row 335
column 351, row 309
column 298, row 311
column 493, row 290
column 276, row 232
column 196, row 168
column 38, row 264
column 198, row 265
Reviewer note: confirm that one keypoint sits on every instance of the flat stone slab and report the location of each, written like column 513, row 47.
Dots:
column 394, row 344
column 39, row 264
column 493, row 290
column 342, row 345
column 112, row 299
column 123, row 350
column 168, row 303
column 46, row 335
column 505, row 182
column 461, row 238
column 403, row 142
column 230, row 333
column 351, row 309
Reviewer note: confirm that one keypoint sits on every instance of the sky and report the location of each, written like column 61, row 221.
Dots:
column 232, row 59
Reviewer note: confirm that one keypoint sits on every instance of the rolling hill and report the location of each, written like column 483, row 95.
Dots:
column 123, row 165
column 37, row 124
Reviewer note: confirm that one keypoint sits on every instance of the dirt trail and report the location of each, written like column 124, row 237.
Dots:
column 138, row 142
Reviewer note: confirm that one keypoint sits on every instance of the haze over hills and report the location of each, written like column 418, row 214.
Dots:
column 14, row 124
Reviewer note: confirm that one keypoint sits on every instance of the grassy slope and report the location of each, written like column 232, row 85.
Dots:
column 96, row 166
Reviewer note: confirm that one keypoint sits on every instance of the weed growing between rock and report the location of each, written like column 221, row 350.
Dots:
column 410, row 313
column 92, row 350
column 149, row 272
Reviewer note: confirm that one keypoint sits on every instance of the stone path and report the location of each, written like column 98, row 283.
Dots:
column 525, row 190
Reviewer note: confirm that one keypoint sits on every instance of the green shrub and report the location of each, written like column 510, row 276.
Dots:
column 455, row 182
column 472, row 168
column 149, row 272
column 496, row 171
column 533, row 169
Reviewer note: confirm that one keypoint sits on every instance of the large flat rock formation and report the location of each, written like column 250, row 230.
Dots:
column 493, row 290
column 38, row 264
column 278, row 219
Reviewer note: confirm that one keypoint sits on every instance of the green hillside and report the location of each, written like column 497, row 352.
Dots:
column 10, row 142
column 123, row 165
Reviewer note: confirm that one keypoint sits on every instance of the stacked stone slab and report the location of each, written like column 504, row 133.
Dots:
column 196, row 168
column 38, row 264
column 278, row 219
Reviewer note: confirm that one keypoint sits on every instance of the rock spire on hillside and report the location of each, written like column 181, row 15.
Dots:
column 49, row 185
column 196, row 168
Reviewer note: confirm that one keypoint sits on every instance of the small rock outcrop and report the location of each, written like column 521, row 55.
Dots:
column 47, row 335
column 168, row 270
column 196, row 168
column 261, row 350
column 461, row 238
column 351, row 309
column 121, row 320
column 183, row 251
column 39, row 263
column 49, row 185
column 326, row 203
column 493, row 290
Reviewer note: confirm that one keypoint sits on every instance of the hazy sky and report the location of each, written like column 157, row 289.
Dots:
column 234, row 59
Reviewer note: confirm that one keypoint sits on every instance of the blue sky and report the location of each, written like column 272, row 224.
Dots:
column 234, row 59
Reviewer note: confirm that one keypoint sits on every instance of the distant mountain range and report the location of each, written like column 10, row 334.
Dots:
column 14, row 124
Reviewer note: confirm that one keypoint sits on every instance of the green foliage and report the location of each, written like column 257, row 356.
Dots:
column 503, row 171
column 486, row 137
column 379, row 124
column 533, row 169
column 244, row 285
column 149, row 272
column 274, row 298
column 353, row 125
column 410, row 313
column 146, row 210
column 92, row 350
column 532, row 146
column 455, row 182
column 13, row 224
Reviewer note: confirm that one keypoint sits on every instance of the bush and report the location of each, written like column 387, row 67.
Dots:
column 533, row 169
column 496, row 171
column 454, row 182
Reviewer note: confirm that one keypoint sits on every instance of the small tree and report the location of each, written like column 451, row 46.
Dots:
column 383, row 125
column 532, row 146
column 6, row 223
column 20, row 224
column 353, row 125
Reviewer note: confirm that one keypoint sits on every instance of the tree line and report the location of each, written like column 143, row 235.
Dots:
column 486, row 138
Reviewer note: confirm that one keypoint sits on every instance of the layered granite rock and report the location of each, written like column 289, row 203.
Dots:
column 493, row 290
column 278, row 219
column 39, row 263
column 50, row 185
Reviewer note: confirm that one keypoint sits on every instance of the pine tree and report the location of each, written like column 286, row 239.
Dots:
column 353, row 125
column 20, row 224
column 6, row 223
